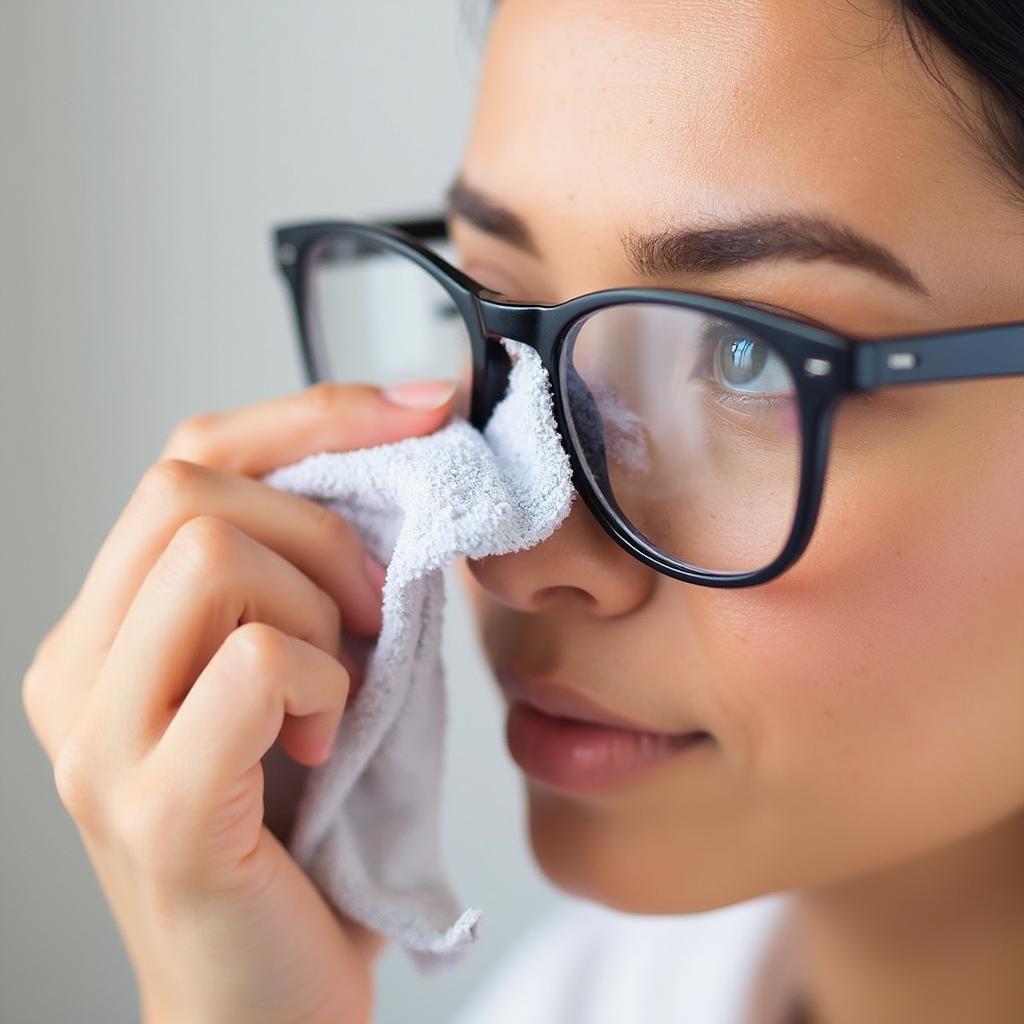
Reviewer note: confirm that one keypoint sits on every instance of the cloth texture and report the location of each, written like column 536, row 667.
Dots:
column 367, row 821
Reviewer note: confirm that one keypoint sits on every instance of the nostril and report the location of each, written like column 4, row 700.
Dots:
column 562, row 594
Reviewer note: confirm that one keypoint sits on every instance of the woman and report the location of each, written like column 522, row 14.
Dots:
column 862, row 711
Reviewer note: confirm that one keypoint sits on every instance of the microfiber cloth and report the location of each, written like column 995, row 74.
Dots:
column 366, row 827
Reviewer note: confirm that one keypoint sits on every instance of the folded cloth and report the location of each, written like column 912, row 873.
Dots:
column 366, row 826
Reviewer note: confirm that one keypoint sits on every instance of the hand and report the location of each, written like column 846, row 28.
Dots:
column 209, row 628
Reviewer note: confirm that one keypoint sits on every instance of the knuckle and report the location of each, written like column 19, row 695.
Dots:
column 259, row 650
column 33, row 687
column 165, row 482
column 325, row 396
column 202, row 546
column 192, row 437
column 41, row 694
column 47, row 642
column 71, row 778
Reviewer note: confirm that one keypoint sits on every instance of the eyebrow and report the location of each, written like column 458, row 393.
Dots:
column 722, row 246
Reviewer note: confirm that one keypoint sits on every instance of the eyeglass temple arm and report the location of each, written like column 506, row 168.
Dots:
column 990, row 351
column 423, row 228
column 288, row 237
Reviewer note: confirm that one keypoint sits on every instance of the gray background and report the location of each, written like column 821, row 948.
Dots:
column 147, row 147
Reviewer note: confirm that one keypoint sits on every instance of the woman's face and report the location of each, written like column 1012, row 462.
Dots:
column 866, row 706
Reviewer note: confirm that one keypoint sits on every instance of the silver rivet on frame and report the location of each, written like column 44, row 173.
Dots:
column 286, row 254
column 817, row 367
column 901, row 360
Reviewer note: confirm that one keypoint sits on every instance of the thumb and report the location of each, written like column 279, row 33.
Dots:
column 328, row 416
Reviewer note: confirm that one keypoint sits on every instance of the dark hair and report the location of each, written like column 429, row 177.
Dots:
column 986, row 38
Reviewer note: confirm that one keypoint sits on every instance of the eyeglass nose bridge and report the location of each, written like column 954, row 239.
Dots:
column 510, row 319
column 499, row 320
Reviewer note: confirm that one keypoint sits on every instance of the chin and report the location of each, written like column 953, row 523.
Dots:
column 587, row 849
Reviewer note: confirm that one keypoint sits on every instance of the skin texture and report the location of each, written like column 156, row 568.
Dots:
column 200, row 669
column 866, row 707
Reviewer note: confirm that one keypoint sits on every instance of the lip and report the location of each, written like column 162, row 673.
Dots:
column 562, row 701
column 577, row 758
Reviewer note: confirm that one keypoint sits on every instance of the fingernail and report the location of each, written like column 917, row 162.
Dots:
column 375, row 573
column 420, row 394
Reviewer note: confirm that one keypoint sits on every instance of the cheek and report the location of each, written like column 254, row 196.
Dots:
column 877, row 685
column 492, row 621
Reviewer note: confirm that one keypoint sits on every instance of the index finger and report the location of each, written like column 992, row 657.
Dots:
column 327, row 416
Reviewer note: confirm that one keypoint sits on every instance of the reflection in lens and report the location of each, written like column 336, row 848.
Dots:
column 378, row 317
column 689, row 426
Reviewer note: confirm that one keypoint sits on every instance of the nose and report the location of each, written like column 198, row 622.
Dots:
column 578, row 568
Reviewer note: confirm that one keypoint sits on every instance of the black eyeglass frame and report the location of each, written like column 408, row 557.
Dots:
column 823, row 365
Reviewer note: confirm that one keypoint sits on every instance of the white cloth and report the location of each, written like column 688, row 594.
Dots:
column 367, row 822
column 584, row 963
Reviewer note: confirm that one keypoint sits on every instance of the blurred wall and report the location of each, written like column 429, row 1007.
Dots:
column 147, row 148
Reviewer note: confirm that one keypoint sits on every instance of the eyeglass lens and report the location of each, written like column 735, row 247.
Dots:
column 377, row 317
column 689, row 423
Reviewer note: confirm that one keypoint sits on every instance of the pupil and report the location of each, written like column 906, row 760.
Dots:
column 745, row 361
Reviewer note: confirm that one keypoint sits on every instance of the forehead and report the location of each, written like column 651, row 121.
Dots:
column 648, row 109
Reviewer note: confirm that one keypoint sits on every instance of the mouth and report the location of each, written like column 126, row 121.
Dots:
column 559, row 700
column 569, row 742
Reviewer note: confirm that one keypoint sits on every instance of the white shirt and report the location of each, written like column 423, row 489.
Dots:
column 589, row 964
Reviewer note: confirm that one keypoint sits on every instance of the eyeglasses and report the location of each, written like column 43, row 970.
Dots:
column 698, row 428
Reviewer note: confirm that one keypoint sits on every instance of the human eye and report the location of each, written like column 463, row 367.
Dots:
column 740, row 365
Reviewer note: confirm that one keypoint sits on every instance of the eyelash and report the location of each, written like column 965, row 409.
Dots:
column 704, row 371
